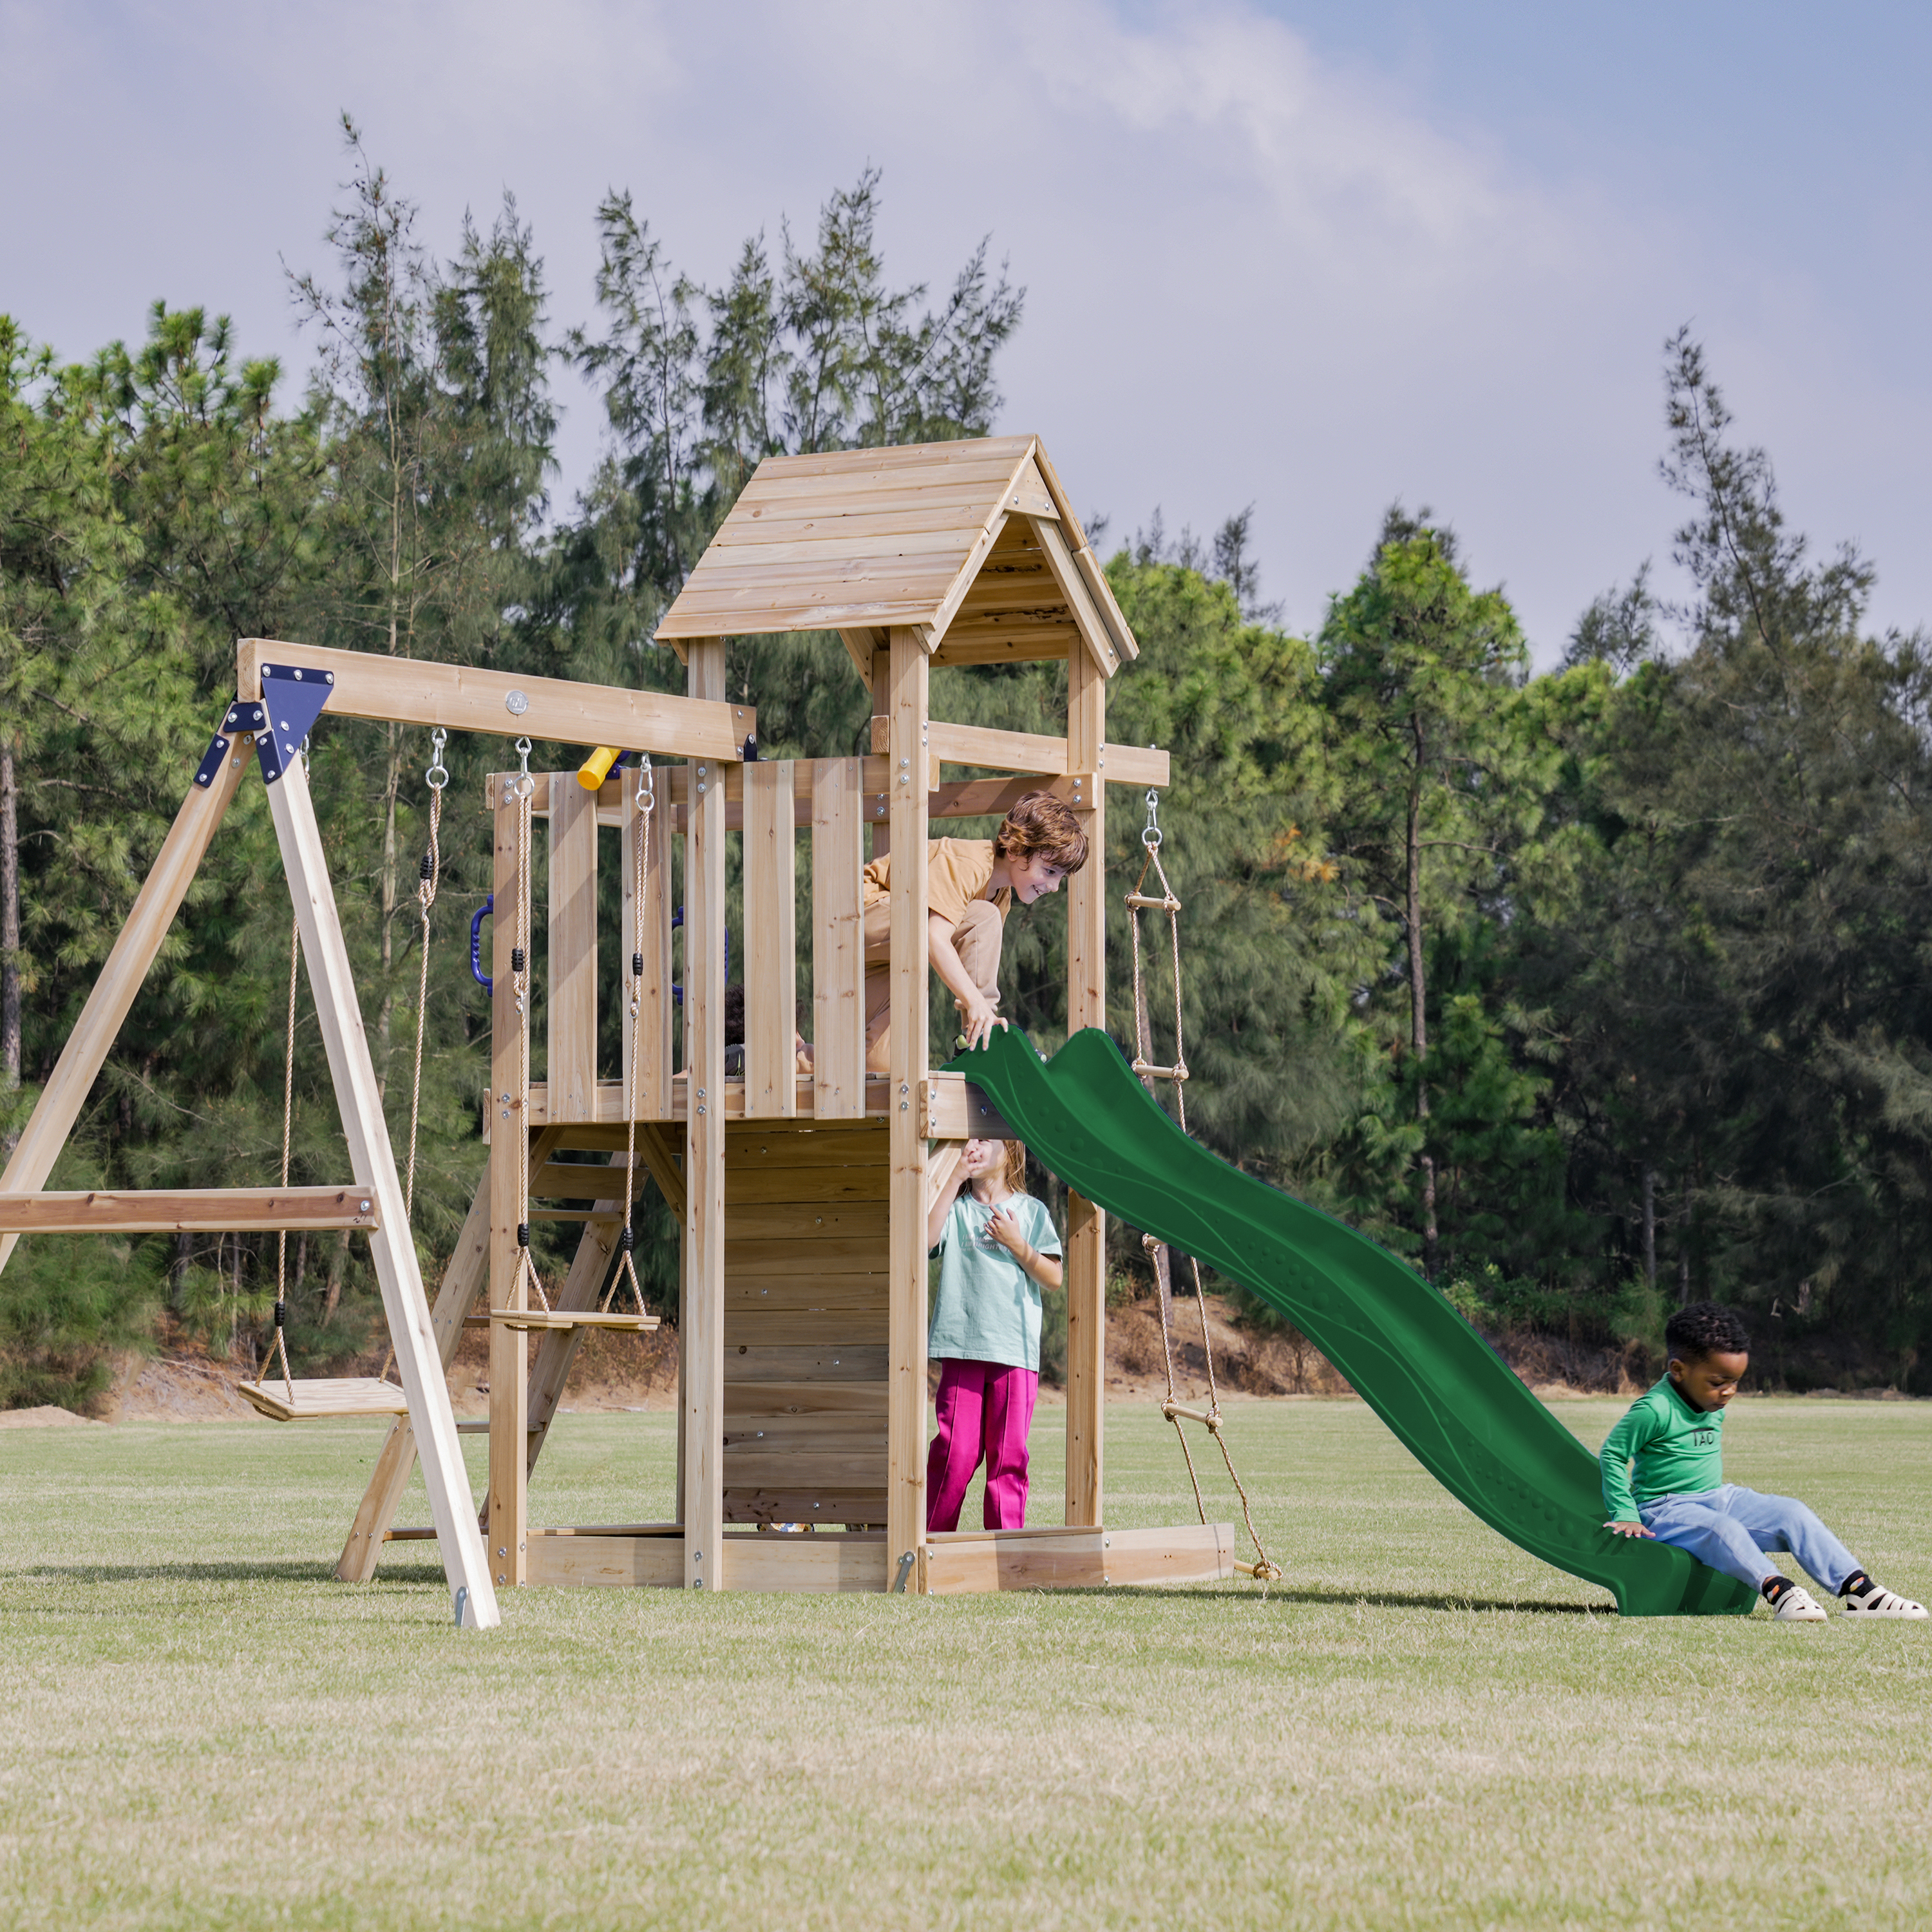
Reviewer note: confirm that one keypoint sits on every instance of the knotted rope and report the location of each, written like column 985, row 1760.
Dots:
column 645, row 803
column 524, row 788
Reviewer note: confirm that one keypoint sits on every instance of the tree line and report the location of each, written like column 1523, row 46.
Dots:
column 1587, row 991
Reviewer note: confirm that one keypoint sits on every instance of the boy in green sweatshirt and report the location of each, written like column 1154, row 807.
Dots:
column 1674, row 1434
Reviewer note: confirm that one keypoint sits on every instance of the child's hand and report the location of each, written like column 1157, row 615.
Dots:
column 980, row 1021
column 1003, row 1227
column 1630, row 1529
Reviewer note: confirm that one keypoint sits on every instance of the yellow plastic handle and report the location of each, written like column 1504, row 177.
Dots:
column 595, row 769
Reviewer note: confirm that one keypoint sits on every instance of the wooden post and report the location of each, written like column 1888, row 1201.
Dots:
column 701, row 1336
column 469, row 1265
column 905, row 692
column 509, row 1146
column 839, row 939
column 570, row 988
column 771, row 941
column 1086, row 1006
column 93, row 1037
column 390, row 1246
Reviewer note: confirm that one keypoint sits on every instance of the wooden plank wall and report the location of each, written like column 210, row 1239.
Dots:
column 838, row 938
column 805, row 1321
column 770, row 970
column 572, row 986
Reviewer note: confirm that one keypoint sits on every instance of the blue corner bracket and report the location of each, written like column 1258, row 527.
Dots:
column 292, row 700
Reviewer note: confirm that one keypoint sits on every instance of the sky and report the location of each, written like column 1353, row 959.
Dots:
column 1313, row 256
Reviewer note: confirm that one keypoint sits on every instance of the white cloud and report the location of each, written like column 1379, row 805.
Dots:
column 1251, row 277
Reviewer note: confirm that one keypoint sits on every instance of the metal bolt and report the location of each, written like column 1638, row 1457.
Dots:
column 365, row 1207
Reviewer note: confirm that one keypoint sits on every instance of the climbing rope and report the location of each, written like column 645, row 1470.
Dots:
column 645, row 803
column 288, row 1123
column 429, row 877
column 1263, row 1569
column 524, row 789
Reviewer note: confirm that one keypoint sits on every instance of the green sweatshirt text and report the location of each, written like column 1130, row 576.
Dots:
column 1678, row 1449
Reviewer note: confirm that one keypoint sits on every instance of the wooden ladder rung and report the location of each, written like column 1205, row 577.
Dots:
column 482, row 1428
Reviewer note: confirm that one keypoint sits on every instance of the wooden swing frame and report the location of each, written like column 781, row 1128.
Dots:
column 1023, row 586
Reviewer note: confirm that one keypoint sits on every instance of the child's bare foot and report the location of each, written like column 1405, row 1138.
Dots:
column 1864, row 1598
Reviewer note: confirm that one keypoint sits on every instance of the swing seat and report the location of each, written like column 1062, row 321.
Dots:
column 571, row 1318
column 321, row 1397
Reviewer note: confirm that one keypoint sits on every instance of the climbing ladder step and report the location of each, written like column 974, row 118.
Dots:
column 319, row 1399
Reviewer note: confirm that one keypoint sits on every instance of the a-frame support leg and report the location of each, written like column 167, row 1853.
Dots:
column 469, row 1266
column 88, row 1046
column 432, row 1421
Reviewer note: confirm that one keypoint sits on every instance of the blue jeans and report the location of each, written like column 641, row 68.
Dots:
column 1729, row 1527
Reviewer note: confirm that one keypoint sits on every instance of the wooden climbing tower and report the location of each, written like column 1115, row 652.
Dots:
column 803, row 1197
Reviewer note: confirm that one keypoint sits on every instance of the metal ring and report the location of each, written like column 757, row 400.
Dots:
column 436, row 778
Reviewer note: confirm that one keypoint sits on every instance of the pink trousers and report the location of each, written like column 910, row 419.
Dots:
column 986, row 1408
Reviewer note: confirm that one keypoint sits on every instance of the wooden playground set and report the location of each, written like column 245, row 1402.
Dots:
column 803, row 1195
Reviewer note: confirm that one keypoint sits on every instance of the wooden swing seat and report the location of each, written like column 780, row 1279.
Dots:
column 320, row 1398
column 572, row 1318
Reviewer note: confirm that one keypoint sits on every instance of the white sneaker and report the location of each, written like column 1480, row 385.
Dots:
column 1874, row 1600
column 1798, row 1606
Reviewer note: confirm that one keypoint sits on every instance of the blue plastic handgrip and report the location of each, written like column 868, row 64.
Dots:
column 476, row 972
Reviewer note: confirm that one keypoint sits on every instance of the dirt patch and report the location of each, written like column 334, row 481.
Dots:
column 1247, row 1361
column 45, row 1416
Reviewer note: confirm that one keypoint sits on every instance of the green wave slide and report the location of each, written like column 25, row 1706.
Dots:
column 1445, row 1393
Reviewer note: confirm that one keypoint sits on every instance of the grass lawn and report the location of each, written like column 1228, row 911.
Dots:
column 1423, row 1726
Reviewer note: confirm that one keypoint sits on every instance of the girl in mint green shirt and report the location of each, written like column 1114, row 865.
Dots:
column 997, row 1249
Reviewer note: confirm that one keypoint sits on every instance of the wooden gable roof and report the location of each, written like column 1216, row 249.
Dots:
column 973, row 544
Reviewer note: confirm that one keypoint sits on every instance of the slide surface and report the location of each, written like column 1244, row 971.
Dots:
column 1468, row 1420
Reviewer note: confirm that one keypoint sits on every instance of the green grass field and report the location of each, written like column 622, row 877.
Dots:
column 1423, row 1727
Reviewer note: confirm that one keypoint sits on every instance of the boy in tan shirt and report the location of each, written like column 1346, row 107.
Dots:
column 970, row 886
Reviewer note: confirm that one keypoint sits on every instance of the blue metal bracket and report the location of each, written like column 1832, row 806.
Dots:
column 294, row 699
column 242, row 718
